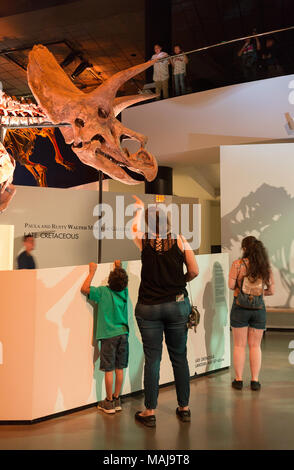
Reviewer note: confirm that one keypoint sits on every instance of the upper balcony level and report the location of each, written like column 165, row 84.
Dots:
column 244, row 59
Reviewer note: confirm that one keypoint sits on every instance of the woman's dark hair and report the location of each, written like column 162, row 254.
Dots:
column 118, row 279
column 256, row 253
column 157, row 221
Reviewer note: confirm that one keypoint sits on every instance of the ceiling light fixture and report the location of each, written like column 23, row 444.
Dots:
column 80, row 68
column 70, row 58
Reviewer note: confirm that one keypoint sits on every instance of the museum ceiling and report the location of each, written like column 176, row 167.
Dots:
column 107, row 34
column 110, row 36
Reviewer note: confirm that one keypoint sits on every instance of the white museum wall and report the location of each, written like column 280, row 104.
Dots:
column 254, row 110
column 257, row 198
column 118, row 187
column 62, row 220
column 55, row 337
column 186, row 186
column 6, row 246
column 199, row 123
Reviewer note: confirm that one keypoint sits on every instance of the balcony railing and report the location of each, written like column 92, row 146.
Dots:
column 255, row 57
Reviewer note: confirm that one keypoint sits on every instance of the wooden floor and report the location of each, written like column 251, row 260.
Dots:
column 222, row 418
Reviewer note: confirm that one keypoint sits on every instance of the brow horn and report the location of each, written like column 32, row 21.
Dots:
column 110, row 87
column 122, row 102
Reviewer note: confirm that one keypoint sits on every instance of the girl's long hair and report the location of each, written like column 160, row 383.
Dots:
column 256, row 253
column 157, row 221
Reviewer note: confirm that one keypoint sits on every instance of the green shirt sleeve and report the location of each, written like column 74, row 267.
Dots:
column 95, row 294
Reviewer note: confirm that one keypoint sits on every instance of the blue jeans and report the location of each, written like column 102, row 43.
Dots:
column 171, row 319
column 180, row 88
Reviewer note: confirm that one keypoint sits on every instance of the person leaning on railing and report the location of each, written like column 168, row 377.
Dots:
column 249, row 55
column 160, row 72
column 179, row 70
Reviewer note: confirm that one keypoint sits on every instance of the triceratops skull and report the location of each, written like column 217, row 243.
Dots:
column 95, row 133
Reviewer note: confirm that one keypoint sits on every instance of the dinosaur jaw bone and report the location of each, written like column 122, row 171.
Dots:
column 115, row 162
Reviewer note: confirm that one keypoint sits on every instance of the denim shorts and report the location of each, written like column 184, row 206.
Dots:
column 114, row 353
column 242, row 317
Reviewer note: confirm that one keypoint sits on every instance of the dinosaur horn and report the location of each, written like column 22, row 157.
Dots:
column 121, row 103
column 110, row 87
column 50, row 85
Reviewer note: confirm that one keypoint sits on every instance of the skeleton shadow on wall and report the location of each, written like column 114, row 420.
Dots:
column 266, row 213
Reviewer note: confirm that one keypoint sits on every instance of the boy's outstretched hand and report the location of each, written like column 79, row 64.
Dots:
column 85, row 289
column 92, row 267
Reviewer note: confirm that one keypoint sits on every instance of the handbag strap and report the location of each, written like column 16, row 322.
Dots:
column 188, row 282
column 191, row 299
column 237, row 279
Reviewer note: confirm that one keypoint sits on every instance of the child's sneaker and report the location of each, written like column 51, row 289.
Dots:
column 117, row 403
column 107, row 406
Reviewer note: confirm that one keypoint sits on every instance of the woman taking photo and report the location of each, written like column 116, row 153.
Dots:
column 248, row 324
column 163, row 306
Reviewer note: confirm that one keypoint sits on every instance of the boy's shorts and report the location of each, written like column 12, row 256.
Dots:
column 114, row 353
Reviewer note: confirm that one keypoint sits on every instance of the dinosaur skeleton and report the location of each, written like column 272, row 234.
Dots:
column 16, row 113
column 87, row 120
column 22, row 142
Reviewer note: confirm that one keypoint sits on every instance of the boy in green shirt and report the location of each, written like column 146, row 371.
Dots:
column 112, row 330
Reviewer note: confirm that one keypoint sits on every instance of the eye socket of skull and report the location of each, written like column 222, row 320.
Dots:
column 79, row 122
column 98, row 137
column 103, row 113
column 123, row 137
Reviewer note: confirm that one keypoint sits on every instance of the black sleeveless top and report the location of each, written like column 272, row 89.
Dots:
column 162, row 273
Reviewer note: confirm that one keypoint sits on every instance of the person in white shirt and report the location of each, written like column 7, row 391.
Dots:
column 160, row 72
column 179, row 70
